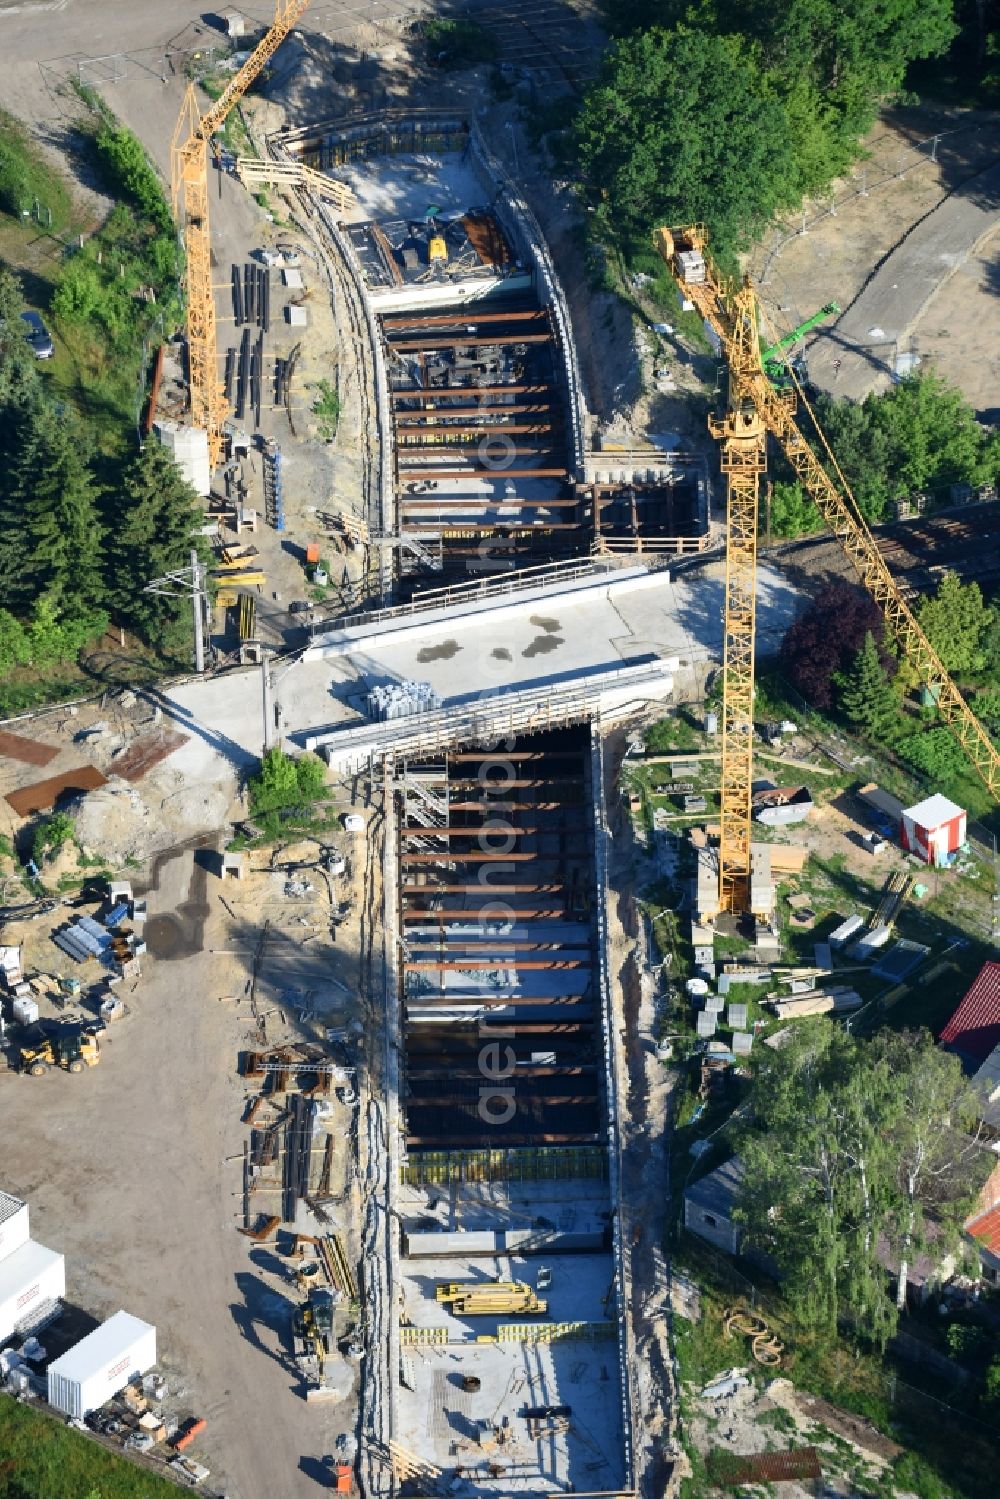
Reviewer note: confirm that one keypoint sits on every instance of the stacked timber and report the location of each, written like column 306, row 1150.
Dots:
column 814, row 1002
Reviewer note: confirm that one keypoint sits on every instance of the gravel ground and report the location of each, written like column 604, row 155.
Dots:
column 133, row 1170
column 878, row 209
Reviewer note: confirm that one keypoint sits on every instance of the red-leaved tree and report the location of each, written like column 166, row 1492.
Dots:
column 826, row 638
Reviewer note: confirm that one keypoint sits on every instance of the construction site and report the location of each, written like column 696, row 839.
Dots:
column 405, row 1064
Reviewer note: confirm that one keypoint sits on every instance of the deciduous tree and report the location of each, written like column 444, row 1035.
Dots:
column 920, row 435
column 956, row 621
column 825, row 639
column 938, row 1161
column 851, row 1143
column 681, row 129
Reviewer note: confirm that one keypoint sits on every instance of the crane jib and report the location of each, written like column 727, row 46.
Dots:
column 733, row 316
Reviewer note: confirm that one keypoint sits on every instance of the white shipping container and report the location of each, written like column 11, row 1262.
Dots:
column 13, row 1224
column 96, row 1368
column 30, row 1277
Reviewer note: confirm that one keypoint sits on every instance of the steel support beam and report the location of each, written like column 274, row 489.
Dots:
column 432, row 345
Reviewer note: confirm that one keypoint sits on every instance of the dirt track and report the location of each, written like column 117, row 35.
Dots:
column 911, row 212
column 133, row 1170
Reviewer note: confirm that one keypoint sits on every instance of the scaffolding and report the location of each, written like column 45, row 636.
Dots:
column 439, row 1168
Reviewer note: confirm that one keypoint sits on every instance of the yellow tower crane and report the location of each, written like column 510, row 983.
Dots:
column 189, row 174
column 755, row 409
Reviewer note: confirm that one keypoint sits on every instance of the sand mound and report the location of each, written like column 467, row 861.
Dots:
column 114, row 822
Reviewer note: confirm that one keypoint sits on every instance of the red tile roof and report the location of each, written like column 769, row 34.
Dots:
column 974, row 1029
column 986, row 1228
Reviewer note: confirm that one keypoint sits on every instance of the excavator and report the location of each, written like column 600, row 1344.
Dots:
column 49, row 1045
column 773, row 356
column 312, row 1329
column 755, row 412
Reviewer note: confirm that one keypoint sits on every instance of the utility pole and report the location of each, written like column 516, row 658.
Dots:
column 187, row 582
column 197, row 596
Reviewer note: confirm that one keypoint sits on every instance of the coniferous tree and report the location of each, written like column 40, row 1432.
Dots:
column 866, row 695
column 159, row 524
column 50, row 535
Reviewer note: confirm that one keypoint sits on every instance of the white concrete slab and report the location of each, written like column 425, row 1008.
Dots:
column 438, row 1419
column 404, row 187
column 542, row 643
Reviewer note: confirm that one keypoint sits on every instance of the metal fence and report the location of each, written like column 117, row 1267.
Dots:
column 887, row 163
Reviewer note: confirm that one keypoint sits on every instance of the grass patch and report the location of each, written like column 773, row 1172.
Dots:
column 675, row 733
column 30, row 190
column 43, row 1459
column 111, row 301
column 105, row 663
column 326, row 410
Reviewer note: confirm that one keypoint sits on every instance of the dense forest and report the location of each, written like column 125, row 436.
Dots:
column 88, row 516
column 728, row 111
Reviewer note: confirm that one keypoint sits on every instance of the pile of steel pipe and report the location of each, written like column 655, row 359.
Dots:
column 252, row 296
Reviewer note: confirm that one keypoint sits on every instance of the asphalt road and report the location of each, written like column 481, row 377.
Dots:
column 857, row 354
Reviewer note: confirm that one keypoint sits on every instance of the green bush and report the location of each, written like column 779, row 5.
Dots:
column 130, row 172
column 935, row 753
column 51, row 835
column 286, row 782
column 912, row 1474
column 327, row 408
column 458, row 44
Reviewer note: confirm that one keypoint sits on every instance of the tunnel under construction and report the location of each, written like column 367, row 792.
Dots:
column 511, row 1254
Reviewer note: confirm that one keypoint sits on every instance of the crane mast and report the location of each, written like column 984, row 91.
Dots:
column 743, row 438
column 755, row 408
column 189, row 174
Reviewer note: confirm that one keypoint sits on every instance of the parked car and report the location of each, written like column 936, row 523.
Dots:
column 38, row 336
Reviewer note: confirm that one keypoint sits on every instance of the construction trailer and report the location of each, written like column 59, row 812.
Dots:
column 94, row 1370
column 13, row 1224
column 32, row 1281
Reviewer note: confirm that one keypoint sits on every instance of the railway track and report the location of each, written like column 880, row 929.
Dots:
column 545, row 36
column 918, row 552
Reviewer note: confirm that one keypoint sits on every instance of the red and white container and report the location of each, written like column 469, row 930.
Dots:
column 934, row 829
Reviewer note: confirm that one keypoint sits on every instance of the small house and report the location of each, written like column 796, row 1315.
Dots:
column 984, row 1231
column 973, row 1032
column 986, row 1083
column 982, row 1228
column 709, row 1205
column 934, row 830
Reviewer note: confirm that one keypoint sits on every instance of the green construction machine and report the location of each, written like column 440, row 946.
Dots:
column 774, row 356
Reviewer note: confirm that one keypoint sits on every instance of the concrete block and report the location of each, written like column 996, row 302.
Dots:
column 233, row 866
